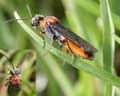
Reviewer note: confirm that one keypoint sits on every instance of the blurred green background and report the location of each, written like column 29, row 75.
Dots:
column 90, row 19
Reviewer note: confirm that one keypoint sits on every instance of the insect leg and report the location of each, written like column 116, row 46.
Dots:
column 51, row 43
column 41, row 35
column 51, row 35
column 7, row 83
column 67, row 48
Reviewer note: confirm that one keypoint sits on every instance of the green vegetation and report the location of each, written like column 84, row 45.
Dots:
column 95, row 21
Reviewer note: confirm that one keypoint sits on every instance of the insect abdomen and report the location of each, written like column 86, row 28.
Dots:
column 78, row 51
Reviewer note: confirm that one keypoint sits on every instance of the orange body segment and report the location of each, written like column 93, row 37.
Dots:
column 49, row 19
column 52, row 20
column 76, row 50
column 15, row 80
column 42, row 23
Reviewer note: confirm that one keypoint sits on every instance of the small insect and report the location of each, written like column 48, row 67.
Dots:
column 66, row 38
column 14, row 79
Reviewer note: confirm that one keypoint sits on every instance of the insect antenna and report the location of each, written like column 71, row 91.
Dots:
column 11, row 20
column 29, row 11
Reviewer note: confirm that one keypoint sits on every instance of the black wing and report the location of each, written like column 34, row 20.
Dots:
column 73, row 37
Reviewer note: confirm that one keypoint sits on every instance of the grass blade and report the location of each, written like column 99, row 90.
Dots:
column 108, row 42
column 57, row 72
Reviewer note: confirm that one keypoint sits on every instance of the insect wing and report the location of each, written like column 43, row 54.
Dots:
column 73, row 37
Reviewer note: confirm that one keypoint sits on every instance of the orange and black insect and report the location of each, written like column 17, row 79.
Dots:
column 14, row 79
column 66, row 38
column 74, row 44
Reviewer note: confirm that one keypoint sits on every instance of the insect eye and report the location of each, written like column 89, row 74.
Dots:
column 35, row 22
column 12, row 71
